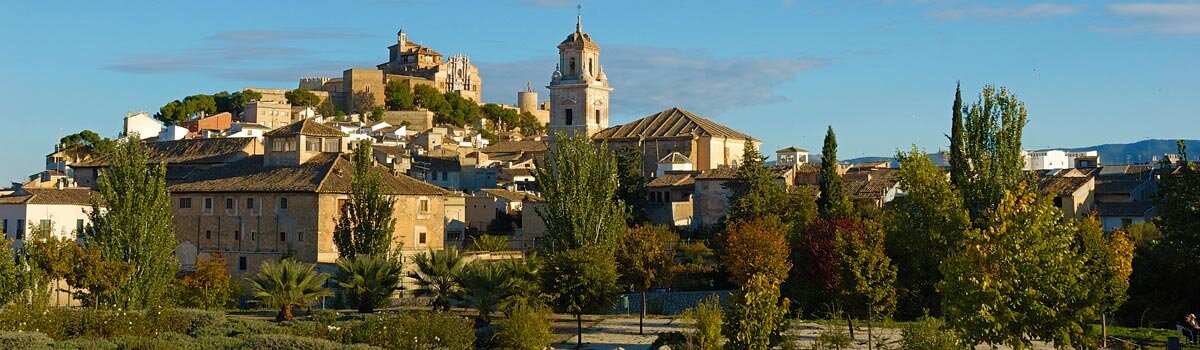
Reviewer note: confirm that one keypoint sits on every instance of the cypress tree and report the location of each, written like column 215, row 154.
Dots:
column 366, row 224
column 833, row 201
column 753, row 191
column 958, row 162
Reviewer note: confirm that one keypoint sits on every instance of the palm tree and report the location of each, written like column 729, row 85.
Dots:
column 287, row 284
column 437, row 275
column 484, row 286
column 522, row 284
column 368, row 281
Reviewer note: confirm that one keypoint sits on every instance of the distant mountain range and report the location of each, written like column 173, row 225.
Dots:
column 1110, row 154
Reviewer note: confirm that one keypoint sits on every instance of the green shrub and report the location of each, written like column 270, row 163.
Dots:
column 929, row 334
column 708, row 317
column 184, row 321
column 675, row 341
column 833, row 337
column 526, row 328
column 24, row 340
column 288, row 342
column 234, row 328
column 416, row 330
column 85, row 344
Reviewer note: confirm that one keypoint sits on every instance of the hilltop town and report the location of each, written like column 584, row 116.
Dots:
column 265, row 176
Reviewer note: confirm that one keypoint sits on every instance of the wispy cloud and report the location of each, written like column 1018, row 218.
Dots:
column 1031, row 11
column 262, row 55
column 647, row 79
column 1160, row 18
column 254, row 36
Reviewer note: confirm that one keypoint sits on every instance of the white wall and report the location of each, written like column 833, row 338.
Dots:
column 143, row 125
column 63, row 217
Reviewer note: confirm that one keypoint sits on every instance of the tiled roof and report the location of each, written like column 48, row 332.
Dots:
column 780, row 171
column 675, row 158
column 724, row 173
column 306, row 127
column 1061, row 185
column 672, row 180
column 52, row 196
column 190, row 151
column 1139, row 208
column 437, row 163
column 390, row 150
column 510, row 195
column 870, row 184
column 323, row 173
column 792, row 149
column 672, row 122
column 515, row 146
column 579, row 37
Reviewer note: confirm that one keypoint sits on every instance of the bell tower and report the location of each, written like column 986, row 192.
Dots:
column 578, row 88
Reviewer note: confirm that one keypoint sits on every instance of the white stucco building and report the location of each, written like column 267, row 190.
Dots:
column 141, row 124
column 64, row 210
column 1045, row 160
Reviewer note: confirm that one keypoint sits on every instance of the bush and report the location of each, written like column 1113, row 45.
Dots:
column 85, row 344
column 416, row 330
column 526, row 328
column 288, row 342
column 236, row 328
column 833, row 337
column 24, row 340
column 929, row 334
column 184, row 321
column 675, row 341
column 708, row 317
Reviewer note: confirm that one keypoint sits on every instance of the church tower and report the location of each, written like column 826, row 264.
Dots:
column 578, row 89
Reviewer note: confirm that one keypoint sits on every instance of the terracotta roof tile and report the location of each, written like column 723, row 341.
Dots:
column 511, row 195
column 190, row 151
column 52, row 196
column 515, row 146
column 306, row 127
column 323, row 173
column 672, row 180
column 718, row 174
column 672, row 122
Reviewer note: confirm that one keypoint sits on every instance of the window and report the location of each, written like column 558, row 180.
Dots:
column 237, row 235
column 434, row 175
column 78, row 226
column 421, row 238
column 597, row 116
column 444, row 177
column 208, row 204
column 312, row 145
column 207, row 234
column 228, row 203
column 282, row 236
column 241, row 263
column 333, row 144
column 277, row 145
column 572, row 65
column 300, row 236
column 4, row 227
column 423, row 205
column 249, row 203
column 283, row 203
column 570, row 116
column 20, row 229
column 590, row 70
column 185, row 203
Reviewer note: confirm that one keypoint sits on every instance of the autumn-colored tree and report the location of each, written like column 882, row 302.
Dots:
column 95, row 280
column 646, row 260
column 756, row 246
column 817, row 275
column 49, row 255
column 1108, row 263
column 208, row 287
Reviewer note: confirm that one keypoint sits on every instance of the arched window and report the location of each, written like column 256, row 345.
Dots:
column 572, row 65
column 590, row 70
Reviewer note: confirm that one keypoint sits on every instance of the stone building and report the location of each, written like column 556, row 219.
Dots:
column 578, row 88
column 706, row 144
column 182, row 157
column 286, row 202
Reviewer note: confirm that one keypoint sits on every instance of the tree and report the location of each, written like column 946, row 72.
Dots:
column 437, row 275
column 753, row 191
column 362, row 102
column 867, row 281
column 208, row 286
column 992, row 164
column 1024, row 276
column 483, row 288
column 631, row 184
column 503, row 118
column 756, row 317
column 756, row 247
column 200, row 104
column 398, row 96
column 302, row 97
column 832, row 201
column 578, row 182
column 530, row 125
column 172, row 113
column 376, row 114
column 368, row 281
column 958, row 161
column 428, row 97
column 84, row 138
column 646, row 260
column 48, row 255
column 582, row 280
column 96, row 280
column 236, row 102
column 921, row 227
column 9, row 274
column 815, row 256
column 366, row 224
column 1109, row 263
column 135, row 225
column 527, row 328
column 288, row 284
column 489, row 243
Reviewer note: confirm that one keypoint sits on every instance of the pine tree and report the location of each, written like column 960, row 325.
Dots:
column 958, row 161
column 366, row 224
column 753, row 191
column 135, row 225
column 832, row 201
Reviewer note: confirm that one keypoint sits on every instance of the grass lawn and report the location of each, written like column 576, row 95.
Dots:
column 1155, row 338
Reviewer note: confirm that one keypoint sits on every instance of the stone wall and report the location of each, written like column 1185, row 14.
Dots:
column 666, row 303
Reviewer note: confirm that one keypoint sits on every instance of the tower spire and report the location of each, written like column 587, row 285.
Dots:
column 579, row 18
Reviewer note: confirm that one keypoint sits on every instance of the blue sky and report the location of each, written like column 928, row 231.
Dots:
column 881, row 72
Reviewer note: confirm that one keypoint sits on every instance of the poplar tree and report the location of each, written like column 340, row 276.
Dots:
column 132, row 224
column 366, row 224
column 992, row 130
column 832, row 201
